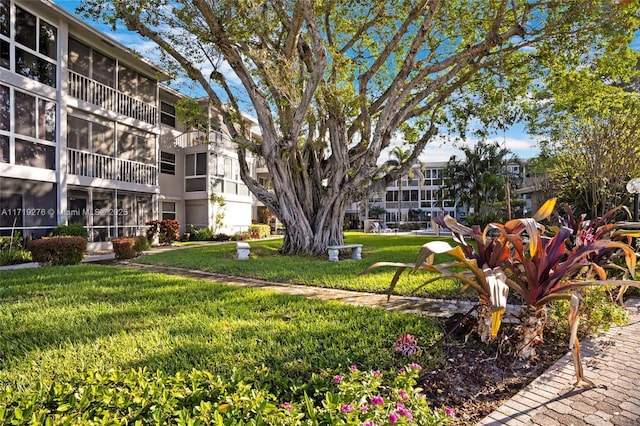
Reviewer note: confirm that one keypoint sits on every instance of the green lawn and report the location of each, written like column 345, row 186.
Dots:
column 58, row 321
column 266, row 263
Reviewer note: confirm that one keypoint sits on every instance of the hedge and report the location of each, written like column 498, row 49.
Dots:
column 259, row 231
column 66, row 250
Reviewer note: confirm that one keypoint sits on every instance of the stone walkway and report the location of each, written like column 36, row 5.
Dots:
column 611, row 360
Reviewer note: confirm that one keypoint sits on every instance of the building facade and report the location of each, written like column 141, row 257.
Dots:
column 199, row 179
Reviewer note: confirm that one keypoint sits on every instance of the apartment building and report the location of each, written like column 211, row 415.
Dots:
column 418, row 197
column 79, row 126
column 198, row 164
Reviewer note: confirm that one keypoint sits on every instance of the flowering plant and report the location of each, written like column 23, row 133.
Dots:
column 362, row 398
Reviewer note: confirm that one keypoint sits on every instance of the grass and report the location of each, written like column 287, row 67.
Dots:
column 59, row 321
column 265, row 263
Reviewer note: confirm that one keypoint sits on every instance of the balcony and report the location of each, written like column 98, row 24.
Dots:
column 82, row 163
column 215, row 140
column 93, row 92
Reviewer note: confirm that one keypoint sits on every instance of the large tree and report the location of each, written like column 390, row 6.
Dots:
column 333, row 82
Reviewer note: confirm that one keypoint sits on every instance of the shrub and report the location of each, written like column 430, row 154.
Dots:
column 14, row 257
column 124, row 247
column 142, row 244
column 167, row 231
column 259, row 231
column 64, row 250
column 199, row 397
column 221, row 237
column 13, row 242
column 202, row 234
column 72, row 229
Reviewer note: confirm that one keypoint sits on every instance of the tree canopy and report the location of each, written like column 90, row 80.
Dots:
column 332, row 83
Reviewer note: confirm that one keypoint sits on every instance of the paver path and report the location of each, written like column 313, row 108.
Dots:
column 432, row 307
column 611, row 360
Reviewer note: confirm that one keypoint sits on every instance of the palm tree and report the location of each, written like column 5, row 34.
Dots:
column 397, row 157
column 478, row 179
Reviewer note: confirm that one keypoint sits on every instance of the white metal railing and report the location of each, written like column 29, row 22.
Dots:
column 88, row 90
column 82, row 163
column 215, row 139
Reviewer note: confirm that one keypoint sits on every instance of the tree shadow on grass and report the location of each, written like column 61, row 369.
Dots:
column 129, row 319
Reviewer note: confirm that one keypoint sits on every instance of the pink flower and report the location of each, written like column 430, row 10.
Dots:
column 404, row 411
column 337, row 379
column 287, row 406
column 416, row 366
column 368, row 423
column 377, row 373
column 364, row 409
column 449, row 412
column 406, row 345
column 403, row 394
column 402, row 370
column 393, row 417
column 347, row 409
column 353, row 368
column 377, row 400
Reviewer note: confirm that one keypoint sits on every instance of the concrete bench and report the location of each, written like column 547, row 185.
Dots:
column 243, row 250
column 334, row 251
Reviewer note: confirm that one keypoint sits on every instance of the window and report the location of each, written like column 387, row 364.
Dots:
column 91, row 63
column 77, row 133
column 136, row 85
column 4, row 149
column 168, row 210
column 167, row 163
column 5, row 17
column 195, row 165
column 136, row 145
column 167, row 114
column 36, row 46
column 35, row 155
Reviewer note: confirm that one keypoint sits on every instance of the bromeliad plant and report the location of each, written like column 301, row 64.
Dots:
column 480, row 266
column 518, row 255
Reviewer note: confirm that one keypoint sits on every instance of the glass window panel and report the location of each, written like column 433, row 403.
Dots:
column 146, row 89
column 25, row 28
column 201, row 163
column 79, row 57
column 46, row 120
column 77, row 133
column 167, row 114
column 48, row 40
column 147, row 148
column 126, row 145
column 5, row 108
column 5, row 54
column 102, row 139
column 127, row 81
column 35, row 155
column 190, row 162
column 167, row 163
column 104, row 69
column 4, row 149
column 5, row 17
column 35, row 68
column 25, row 111
column 198, row 184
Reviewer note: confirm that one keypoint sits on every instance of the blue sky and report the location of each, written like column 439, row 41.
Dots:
column 515, row 138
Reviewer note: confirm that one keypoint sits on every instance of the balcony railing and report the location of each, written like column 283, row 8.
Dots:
column 98, row 166
column 88, row 90
column 215, row 139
